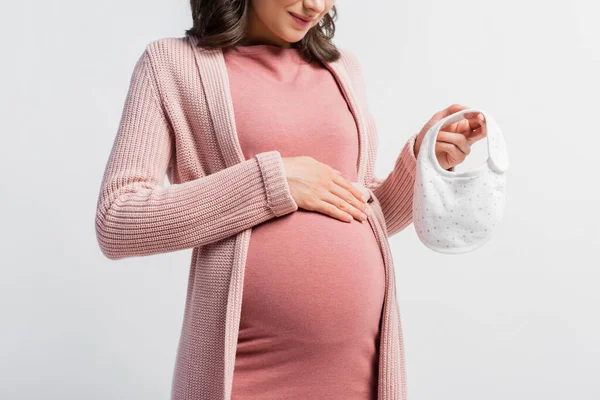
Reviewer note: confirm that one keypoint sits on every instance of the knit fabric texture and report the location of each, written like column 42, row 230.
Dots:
column 178, row 122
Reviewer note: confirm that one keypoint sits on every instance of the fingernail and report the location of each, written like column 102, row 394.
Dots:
column 364, row 216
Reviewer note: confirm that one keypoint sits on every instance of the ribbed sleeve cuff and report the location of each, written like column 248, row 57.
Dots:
column 407, row 156
column 279, row 197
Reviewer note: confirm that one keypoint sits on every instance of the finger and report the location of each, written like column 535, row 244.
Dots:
column 473, row 123
column 472, row 128
column 457, row 139
column 454, row 108
column 348, row 198
column 459, row 126
column 340, row 180
column 332, row 209
column 476, row 115
column 341, row 203
column 366, row 194
column 477, row 130
column 454, row 155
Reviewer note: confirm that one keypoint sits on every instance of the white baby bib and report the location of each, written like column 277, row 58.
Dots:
column 457, row 212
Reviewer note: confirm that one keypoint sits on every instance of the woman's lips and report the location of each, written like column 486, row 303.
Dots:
column 300, row 21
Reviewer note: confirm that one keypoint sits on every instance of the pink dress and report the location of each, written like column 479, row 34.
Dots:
column 314, row 285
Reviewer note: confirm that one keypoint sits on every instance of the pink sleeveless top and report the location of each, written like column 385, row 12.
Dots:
column 314, row 285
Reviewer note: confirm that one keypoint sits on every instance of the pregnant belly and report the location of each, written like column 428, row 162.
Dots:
column 312, row 278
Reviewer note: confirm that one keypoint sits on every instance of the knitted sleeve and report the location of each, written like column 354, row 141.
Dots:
column 395, row 191
column 137, row 216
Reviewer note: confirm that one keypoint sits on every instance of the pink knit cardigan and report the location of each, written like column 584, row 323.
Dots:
column 178, row 121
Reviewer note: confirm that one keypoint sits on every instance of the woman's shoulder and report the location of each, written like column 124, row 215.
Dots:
column 167, row 57
column 167, row 47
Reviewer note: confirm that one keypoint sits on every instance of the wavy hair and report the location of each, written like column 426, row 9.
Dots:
column 223, row 24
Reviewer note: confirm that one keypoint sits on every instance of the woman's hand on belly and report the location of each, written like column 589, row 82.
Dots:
column 316, row 186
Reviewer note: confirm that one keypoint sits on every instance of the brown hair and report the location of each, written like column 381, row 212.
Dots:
column 222, row 24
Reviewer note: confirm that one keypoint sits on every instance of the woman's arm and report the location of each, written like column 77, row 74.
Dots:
column 395, row 191
column 137, row 216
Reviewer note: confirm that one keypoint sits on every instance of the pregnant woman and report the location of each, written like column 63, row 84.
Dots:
column 262, row 127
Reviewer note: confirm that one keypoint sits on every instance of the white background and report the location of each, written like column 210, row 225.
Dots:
column 517, row 318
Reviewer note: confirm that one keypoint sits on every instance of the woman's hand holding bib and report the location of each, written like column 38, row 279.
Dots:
column 454, row 140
